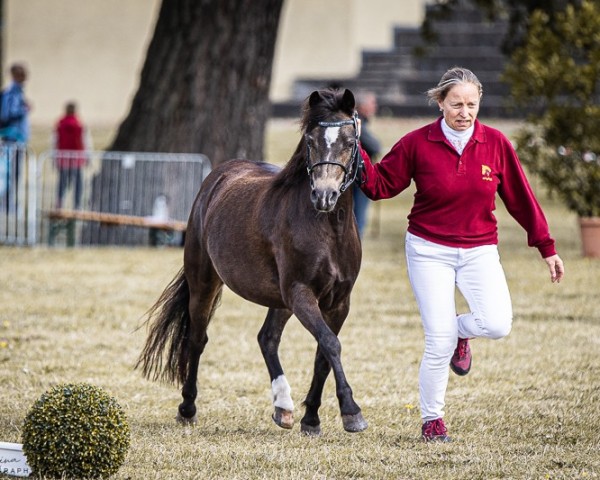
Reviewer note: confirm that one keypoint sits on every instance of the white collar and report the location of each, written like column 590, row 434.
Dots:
column 457, row 138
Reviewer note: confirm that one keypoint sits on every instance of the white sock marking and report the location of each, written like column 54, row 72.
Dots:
column 281, row 391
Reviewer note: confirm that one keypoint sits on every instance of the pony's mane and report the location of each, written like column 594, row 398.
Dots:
column 331, row 108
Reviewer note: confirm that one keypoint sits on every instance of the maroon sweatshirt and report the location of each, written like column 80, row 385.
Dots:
column 455, row 194
column 69, row 136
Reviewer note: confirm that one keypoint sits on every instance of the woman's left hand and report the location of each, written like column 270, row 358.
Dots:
column 556, row 266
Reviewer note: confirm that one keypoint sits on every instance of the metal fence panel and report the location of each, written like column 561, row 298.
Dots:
column 17, row 194
column 137, row 184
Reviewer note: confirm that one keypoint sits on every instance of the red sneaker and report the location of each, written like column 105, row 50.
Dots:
column 461, row 360
column 435, row 431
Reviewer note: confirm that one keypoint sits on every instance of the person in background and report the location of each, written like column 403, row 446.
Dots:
column 459, row 166
column 14, row 112
column 366, row 106
column 69, row 135
column 14, row 130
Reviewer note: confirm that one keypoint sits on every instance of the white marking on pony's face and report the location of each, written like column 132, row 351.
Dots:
column 331, row 135
column 282, row 398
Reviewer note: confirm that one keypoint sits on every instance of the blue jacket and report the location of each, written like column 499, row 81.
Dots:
column 14, row 111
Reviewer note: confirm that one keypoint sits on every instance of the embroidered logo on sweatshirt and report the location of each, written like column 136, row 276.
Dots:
column 486, row 173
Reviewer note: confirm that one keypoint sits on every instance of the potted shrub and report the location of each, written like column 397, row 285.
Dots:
column 555, row 75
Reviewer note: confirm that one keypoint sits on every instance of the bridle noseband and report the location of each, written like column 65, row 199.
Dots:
column 356, row 163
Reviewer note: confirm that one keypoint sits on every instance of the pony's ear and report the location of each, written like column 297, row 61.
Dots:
column 348, row 102
column 315, row 98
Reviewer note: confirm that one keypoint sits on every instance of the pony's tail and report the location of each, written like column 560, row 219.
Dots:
column 168, row 331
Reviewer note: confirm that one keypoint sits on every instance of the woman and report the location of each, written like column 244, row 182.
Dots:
column 458, row 166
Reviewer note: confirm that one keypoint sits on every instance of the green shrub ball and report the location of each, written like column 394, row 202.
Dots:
column 75, row 431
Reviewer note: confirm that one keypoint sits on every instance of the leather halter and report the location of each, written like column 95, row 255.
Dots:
column 356, row 162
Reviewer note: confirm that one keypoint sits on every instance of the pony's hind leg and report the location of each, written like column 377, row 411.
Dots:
column 269, row 338
column 204, row 298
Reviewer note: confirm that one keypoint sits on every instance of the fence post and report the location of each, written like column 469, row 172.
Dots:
column 32, row 213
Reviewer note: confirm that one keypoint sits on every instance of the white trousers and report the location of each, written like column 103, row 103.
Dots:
column 434, row 272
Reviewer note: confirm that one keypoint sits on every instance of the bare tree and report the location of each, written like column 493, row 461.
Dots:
column 205, row 82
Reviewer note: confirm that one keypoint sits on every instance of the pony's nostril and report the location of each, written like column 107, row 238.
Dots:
column 333, row 197
column 314, row 196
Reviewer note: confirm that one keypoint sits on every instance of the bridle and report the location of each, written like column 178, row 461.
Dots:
column 356, row 163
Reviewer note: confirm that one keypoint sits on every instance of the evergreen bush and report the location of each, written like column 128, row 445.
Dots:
column 75, row 431
column 556, row 76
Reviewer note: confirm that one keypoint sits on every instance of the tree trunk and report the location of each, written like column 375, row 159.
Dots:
column 205, row 82
column 203, row 89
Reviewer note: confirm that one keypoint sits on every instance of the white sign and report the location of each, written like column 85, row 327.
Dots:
column 128, row 161
column 13, row 461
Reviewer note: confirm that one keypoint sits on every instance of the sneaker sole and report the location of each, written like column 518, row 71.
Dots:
column 459, row 371
column 437, row 439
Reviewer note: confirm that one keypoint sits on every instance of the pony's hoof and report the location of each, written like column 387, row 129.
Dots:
column 354, row 423
column 185, row 420
column 283, row 418
column 310, row 430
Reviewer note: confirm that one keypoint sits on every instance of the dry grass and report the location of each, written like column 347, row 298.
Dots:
column 530, row 408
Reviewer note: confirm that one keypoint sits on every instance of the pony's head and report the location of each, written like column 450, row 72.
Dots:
column 330, row 128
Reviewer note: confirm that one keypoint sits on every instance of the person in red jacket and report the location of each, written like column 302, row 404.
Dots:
column 459, row 166
column 70, row 157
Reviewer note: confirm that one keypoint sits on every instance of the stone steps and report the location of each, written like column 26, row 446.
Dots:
column 401, row 76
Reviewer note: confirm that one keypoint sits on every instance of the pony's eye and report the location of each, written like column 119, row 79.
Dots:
column 347, row 142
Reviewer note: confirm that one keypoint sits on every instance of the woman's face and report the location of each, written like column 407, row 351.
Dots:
column 461, row 105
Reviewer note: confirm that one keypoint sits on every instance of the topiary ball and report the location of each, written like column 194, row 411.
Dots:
column 75, row 430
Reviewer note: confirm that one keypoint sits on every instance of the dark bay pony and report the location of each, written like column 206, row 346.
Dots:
column 282, row 238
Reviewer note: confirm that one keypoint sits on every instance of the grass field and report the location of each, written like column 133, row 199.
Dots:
column 529, row 409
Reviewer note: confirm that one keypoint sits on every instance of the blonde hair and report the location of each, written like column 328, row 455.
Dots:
column 453, row 77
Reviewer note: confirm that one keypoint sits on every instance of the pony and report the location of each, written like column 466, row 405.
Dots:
column 284, row 238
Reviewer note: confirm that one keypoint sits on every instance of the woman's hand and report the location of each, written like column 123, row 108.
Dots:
column 556, row 266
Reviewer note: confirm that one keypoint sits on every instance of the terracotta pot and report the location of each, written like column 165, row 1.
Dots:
column 590, row 236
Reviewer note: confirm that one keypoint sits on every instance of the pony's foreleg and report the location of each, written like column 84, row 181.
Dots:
column 307, row 310
column 311, row 423
column 269, row 338
column 201, row 307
